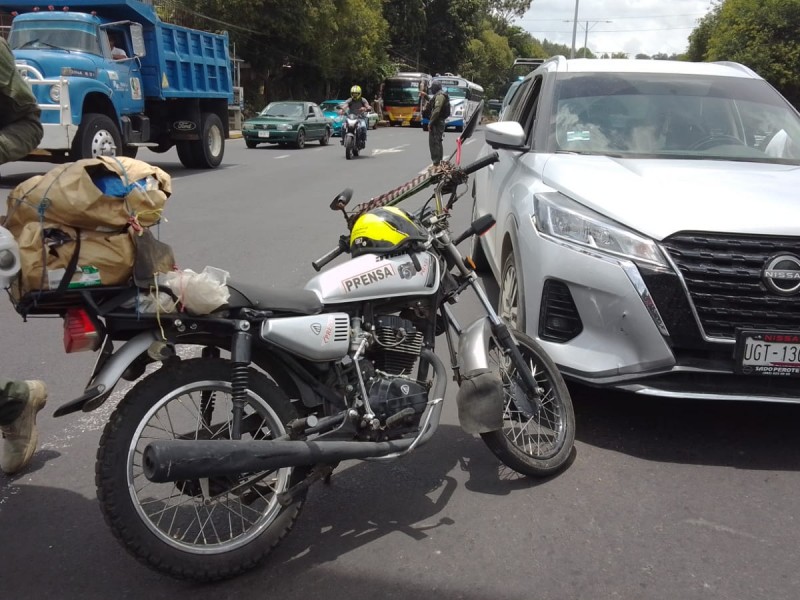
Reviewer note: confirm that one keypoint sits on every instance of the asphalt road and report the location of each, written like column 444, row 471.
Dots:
column 664, row 500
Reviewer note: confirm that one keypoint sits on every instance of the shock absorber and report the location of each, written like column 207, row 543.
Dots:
column 240, row 378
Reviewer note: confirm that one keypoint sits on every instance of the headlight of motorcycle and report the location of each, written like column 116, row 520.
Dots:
column 55, row 93
column 557, row 216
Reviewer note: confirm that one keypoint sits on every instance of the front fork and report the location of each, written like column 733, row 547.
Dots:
column 501, row 333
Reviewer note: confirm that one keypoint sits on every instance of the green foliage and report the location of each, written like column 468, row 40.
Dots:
column 762, row 34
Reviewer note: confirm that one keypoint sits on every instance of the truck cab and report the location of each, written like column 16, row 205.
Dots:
column 172, row 86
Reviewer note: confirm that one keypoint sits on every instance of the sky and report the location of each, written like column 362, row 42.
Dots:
column 637, row 26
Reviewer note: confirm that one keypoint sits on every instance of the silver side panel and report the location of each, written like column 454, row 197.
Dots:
column 370, row 277
column 317, row 337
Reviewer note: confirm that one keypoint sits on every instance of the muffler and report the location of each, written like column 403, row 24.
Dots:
column 177, row 460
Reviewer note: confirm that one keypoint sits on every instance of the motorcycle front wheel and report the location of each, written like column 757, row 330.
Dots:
column 349, row 143
column 205, row 529
column 537, row 445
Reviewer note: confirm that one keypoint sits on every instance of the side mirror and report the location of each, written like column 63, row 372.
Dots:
column 505, row 134
column 137, row 39
column 342, row 199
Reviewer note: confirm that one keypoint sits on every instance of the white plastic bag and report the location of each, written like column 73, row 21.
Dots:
column 199, row 293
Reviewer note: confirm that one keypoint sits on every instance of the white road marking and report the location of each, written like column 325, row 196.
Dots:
column 282, row 156
column 377, row 151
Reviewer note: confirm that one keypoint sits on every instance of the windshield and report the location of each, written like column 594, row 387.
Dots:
column 674, row 116
column 401, row 93
column 456, row 92
column 60, row 35
column 330, row 106
column 283, row 109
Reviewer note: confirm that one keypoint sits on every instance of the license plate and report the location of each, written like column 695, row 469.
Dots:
column 768, row 353
column 263, row 134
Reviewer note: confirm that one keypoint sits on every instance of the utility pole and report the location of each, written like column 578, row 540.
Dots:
column 574, row 30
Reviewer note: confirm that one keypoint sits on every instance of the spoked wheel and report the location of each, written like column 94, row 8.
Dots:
column 533, row 444
column 204, row 529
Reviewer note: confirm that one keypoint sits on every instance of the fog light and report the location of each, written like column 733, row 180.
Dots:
column 55, row 93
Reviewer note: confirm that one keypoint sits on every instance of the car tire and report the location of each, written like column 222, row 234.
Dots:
column 511, row 300
column 326, row 137
column 250, row 144
column 300, row 143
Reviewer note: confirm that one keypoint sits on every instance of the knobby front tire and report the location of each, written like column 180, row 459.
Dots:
column 541, row 445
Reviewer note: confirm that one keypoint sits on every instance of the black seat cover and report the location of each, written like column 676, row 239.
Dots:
column 245, row 295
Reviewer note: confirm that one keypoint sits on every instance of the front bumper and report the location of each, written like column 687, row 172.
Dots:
column 643, row 330
column 274, row 136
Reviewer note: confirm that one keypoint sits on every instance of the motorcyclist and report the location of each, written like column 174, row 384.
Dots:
column 356, row 104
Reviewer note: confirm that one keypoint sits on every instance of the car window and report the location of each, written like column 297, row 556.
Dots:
column 514, row 108
column 673, row 115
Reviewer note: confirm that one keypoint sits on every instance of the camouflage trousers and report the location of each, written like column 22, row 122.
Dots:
column 435, row 136
column 13, row 396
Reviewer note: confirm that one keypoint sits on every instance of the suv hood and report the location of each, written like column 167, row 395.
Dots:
column 659, row 197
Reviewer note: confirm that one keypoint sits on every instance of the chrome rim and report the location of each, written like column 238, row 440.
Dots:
column 210, row 515
column 542, row 436
column 103, row 143
column 509, row 297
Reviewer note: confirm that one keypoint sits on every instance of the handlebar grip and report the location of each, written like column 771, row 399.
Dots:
column 481, row 163
column 326, row 258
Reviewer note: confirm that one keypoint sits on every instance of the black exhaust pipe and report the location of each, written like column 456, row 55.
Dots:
column 177, row 460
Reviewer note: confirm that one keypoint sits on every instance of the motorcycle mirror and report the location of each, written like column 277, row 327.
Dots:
column 469, row 128
column 342, row 199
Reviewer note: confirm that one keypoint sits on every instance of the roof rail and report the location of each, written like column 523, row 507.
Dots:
column 528, row 61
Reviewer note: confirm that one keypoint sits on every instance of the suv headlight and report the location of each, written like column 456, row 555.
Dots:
column 557, row 216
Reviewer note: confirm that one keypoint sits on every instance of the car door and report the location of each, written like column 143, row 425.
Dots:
column 493, row 195
column 315, row 122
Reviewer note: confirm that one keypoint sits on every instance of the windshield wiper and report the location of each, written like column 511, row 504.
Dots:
column 37, row 41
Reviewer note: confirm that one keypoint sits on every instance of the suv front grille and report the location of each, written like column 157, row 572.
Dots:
column 723, row 275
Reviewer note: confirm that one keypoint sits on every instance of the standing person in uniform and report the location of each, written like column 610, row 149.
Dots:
column 436, row 123
column 20, row 133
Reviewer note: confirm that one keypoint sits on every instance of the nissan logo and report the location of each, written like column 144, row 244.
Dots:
column 782, row 274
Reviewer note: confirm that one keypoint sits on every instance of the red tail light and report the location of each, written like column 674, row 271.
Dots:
column 80, row 332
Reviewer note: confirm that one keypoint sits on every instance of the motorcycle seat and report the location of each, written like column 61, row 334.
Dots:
column 245, row 295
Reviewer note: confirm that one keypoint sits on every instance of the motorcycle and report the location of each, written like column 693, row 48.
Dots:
column 354, row 133
column 205, row 463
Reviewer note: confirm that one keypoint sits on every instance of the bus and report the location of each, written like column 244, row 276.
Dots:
column 402, row 102
column 465, row 97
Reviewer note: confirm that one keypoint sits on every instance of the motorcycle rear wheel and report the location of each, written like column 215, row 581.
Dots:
column 201, row 530
column 537, row 446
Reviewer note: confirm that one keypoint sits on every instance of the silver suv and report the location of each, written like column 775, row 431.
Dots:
column 648, row 226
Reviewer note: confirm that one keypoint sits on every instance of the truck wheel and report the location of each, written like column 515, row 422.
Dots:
column 205, row 153
column 98, row 135
column 186, row 153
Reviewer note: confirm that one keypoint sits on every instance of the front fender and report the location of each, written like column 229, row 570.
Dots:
column 480, row 394
column 102, row 385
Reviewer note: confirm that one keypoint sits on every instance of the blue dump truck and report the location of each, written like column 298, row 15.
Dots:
column 111, row 77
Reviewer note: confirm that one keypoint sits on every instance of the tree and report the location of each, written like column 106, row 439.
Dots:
column 765, row 36
column 506, row 10
column 698, row 39
column 451, row 24
column 488, row 61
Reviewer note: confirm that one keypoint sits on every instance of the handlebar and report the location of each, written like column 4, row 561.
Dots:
column 331, row 254
column 481, row 163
